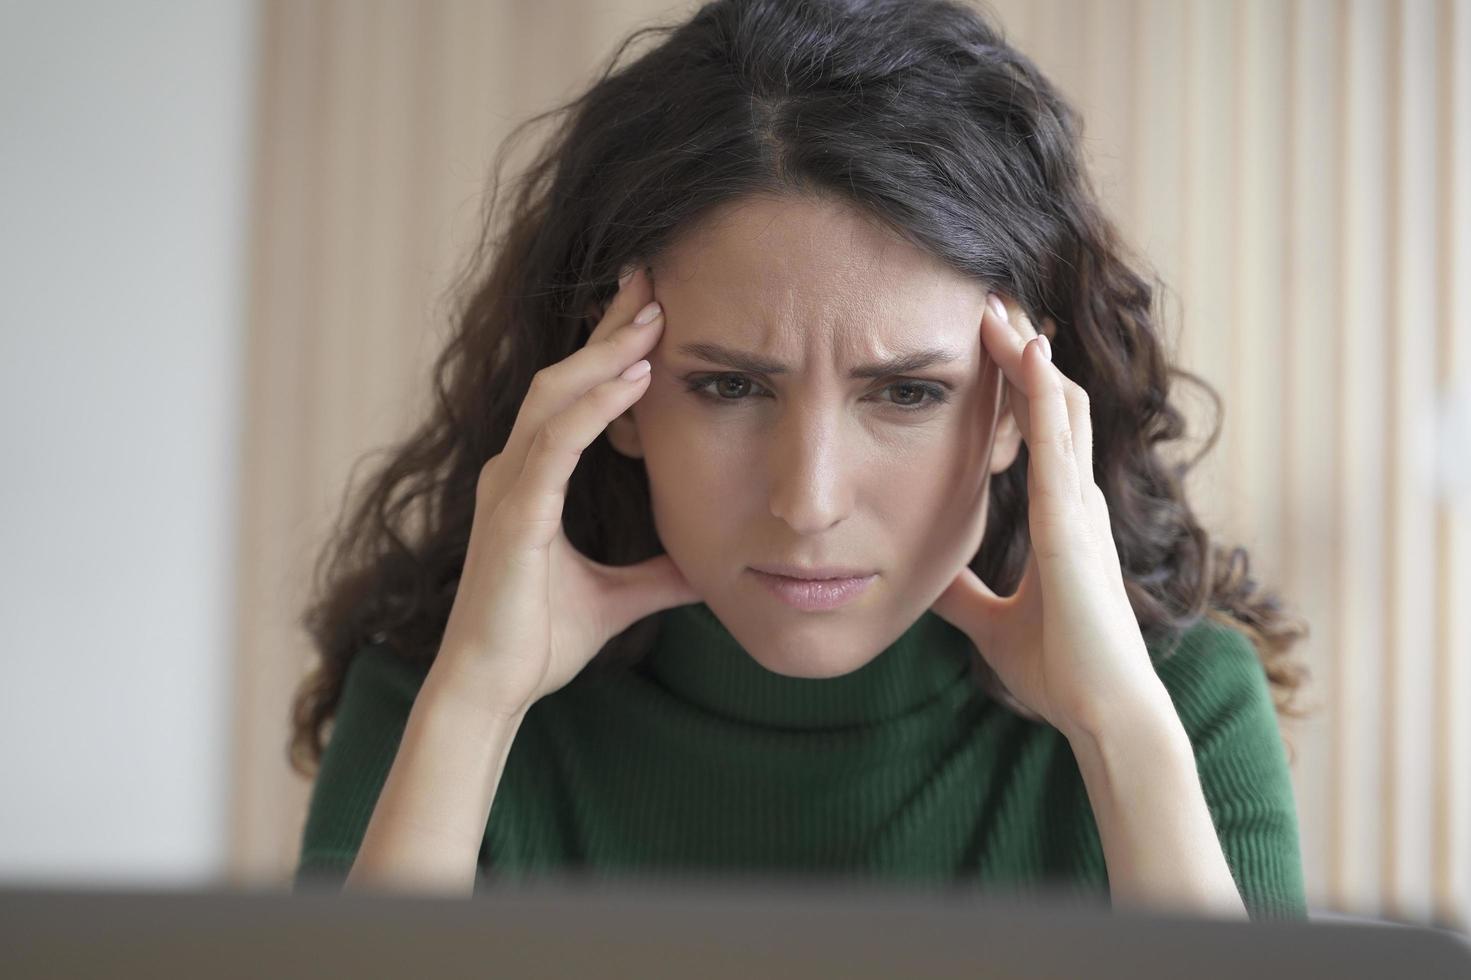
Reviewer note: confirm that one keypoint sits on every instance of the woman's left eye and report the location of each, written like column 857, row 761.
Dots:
column 917, row 389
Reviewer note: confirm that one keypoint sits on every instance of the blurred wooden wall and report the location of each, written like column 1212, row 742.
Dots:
column 1298, row 173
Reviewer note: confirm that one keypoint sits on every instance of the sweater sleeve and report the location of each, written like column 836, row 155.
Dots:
column 1221, row 693
column 377, row 696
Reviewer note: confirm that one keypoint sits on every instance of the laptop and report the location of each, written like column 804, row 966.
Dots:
column 681, row 926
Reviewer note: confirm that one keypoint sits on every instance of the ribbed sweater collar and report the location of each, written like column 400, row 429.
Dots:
column 698, row 660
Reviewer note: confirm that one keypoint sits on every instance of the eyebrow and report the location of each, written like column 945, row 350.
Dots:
column 754, row 363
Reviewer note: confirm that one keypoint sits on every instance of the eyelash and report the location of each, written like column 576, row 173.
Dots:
column 938, row 395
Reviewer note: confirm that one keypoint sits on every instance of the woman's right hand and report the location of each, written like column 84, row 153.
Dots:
column 531, row 610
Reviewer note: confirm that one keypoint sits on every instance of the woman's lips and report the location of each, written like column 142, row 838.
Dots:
column 814, row 595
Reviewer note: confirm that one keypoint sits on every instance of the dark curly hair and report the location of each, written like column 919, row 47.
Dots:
column 919, row 113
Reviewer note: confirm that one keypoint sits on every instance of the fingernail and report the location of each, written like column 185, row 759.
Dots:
column 625, row 276
column 997, row 307
column 647, row 314
column 1045, row 344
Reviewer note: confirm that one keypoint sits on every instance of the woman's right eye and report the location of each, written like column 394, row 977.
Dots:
column 701, row 386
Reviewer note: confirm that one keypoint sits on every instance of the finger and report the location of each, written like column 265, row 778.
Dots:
column 1019, row 319
column 1022, row 324
column 1080, row 420
column 642, row 588
column 1054, row 495
column 1004, row 346
column 635, row 290
column 1079, row 410
column 530, row 513
column 969, row 603
column 609, row 350
column 1103, row 530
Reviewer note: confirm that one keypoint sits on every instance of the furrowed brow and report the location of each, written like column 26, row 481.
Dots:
column 754, row 363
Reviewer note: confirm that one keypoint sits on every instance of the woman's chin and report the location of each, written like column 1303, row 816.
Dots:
column 814, row 646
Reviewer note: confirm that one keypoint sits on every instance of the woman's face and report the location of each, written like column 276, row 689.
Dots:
column 811, row 465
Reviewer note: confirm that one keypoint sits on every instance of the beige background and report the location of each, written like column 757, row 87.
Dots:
column 1297, row 172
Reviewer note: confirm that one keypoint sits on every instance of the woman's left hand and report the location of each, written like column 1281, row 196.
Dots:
column 1067, row 644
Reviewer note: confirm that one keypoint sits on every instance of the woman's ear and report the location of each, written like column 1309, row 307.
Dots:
column 594, row 311
column 622, row 435
column 1008, row 439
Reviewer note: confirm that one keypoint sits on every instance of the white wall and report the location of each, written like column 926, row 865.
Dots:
column 124, row 156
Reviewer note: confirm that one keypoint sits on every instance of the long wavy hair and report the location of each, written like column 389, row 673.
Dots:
column 917, row 112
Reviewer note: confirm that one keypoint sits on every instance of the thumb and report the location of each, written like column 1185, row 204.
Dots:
column 969, row 605
column 647, row 587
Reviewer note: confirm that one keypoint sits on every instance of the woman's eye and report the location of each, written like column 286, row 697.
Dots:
column 914, row 395
column 702, row 386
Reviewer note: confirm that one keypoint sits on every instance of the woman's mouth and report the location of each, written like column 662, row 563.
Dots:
column 814, row 595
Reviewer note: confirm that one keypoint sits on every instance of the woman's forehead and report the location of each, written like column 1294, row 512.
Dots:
column 795, row 272
column 786, row 248
column 803, row 332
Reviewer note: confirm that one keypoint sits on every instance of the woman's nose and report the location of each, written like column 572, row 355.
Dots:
column 811, row 488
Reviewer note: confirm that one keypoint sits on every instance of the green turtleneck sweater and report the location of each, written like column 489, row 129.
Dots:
column 700, row 760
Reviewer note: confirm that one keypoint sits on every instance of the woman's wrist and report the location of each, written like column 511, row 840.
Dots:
column 464, row 682
column 1146, row 711
column 429, row 820
column 1159, row 841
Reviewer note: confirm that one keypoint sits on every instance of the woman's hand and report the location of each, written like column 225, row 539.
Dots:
column 1066, row 644
column 531, row 610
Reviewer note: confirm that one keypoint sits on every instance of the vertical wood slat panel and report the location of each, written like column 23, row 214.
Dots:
column 473, row 83
column 1306, row 340
column 1109, row 65
column 1442, row 778
column 1157, row 160
column 1458, row 433
column 1209, row 129
column 395, row 139
column 427, row 163
column 1410, row 505
column 250, row 822
column 1255, row 401
column 285, row 250
column 1361, row 763
column 1057, row 29
column 350, row 94
column 1451, row 844
column 1389, row 854
column 1015, row 18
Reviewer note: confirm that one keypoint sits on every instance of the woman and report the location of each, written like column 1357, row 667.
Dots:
column 595, row 649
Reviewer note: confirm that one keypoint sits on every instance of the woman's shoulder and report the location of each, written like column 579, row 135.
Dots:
column 383, row 668
column 1207, row 646
column 379, row 684
column 1217, row 681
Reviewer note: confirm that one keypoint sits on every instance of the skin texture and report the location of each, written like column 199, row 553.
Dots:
column 814, row 467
